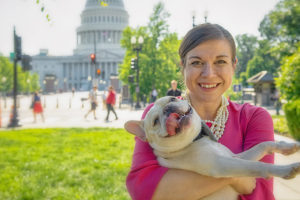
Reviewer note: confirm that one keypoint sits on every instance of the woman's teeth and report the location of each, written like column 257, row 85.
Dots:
column 208, row 86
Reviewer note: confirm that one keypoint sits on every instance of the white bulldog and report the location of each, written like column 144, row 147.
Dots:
column 181, row 140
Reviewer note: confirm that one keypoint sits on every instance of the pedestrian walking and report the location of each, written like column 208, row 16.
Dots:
column 93, row 100
column 110, row 102
column 36, row 106
column 173, row 91
column 153, row 95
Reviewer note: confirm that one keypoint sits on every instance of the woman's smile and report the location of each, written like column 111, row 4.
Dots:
column 208, row 85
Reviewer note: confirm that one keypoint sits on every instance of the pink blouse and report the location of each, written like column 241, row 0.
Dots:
column 247, row 126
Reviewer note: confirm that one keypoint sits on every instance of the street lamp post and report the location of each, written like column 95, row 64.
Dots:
column 137, row 46
column 3, row 82
column 14, row 122
column 193, row 17
column 205, row 16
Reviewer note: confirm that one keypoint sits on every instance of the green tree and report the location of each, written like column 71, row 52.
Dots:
column 246, row 46
column 27, row 82
column 6, row 74
column 265, row 58
column 280, row 32
column 281, row 29
column 289, row 80
column 289, row 84
column 282, row 23
column 158, row 59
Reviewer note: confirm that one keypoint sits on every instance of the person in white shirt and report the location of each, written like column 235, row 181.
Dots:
column 153, row 95
column 94, row 103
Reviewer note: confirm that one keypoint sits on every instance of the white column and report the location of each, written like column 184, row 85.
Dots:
column 106, row 70
column 109, row 69
column 98, row 36
column 74, row 72
column 119, row 36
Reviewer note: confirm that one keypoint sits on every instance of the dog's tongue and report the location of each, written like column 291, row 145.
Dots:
column 172, row 123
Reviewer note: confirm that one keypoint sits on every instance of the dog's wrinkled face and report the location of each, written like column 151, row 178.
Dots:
column 170, row 125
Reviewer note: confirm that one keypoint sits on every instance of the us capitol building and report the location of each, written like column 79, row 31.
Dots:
column 100, row 32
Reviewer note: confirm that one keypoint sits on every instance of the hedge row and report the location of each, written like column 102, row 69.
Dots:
column 292, row 114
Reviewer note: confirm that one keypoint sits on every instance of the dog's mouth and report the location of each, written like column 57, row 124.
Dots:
column 176, row 120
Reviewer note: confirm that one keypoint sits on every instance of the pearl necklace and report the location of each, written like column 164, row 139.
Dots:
column 218, row 124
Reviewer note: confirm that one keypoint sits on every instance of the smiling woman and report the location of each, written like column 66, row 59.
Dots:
column 208, row 60
column 213, row 63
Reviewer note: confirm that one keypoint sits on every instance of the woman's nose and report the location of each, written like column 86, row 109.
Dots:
column 207, row 70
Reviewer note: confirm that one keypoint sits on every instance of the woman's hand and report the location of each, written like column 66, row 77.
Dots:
column 243, row 185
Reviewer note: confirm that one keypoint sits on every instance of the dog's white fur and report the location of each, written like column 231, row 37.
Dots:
column 205, row 155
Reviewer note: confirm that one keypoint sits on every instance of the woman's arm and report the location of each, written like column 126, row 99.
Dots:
column 148, row 180
column 181, row 184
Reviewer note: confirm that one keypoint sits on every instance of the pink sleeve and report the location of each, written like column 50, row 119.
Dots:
column 145, row 172
column 259, row 129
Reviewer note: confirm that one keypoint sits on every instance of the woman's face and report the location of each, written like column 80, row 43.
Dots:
column 209, row 69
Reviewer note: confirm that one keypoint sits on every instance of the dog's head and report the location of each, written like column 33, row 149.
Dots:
column 170, row 125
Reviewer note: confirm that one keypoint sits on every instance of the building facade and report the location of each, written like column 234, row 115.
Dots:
column 100, row 32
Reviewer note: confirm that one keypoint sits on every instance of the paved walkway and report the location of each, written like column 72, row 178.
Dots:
column 71, row 110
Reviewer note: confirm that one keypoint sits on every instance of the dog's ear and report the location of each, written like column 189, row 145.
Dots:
column 136, row 128
column 205, row 130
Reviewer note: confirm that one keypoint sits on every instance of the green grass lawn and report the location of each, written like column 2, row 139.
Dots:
column 64, row 163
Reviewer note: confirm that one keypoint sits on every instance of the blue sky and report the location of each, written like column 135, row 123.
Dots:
column 59, row 36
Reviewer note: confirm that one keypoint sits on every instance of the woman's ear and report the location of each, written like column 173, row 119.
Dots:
column 235, row 63
column 181, row 63
column 181, row 67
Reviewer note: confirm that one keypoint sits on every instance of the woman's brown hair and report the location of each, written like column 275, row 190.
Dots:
column 202, row 33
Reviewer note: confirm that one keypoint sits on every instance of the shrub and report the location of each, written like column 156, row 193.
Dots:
column 292, row 114
column 280, row 125
column 289, row 79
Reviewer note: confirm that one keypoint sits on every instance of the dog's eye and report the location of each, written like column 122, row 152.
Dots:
column 155, row 121
column 173, row 99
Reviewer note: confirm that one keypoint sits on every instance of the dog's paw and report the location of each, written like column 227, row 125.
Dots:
column 294, row 170
column 287, row 148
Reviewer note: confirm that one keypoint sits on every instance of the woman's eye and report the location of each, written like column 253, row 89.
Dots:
column 196, row 63
column 156, row 121
column 221, row 62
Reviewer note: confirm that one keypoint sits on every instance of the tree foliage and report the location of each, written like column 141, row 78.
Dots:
column 246, row 46
column 265, row 58
column 292, row 114
column 289, row 79
column 27, row 82
column 158, row 59
column 282, row 23
column 280, row 32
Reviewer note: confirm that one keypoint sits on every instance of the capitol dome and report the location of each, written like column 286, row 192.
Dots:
column 100, row 32
column 101, row 27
